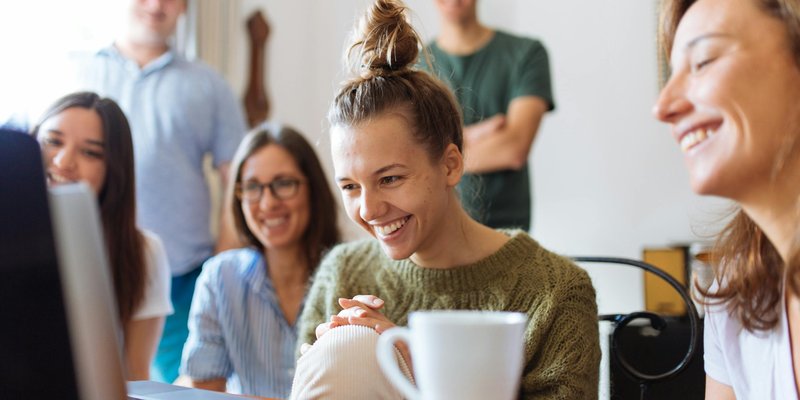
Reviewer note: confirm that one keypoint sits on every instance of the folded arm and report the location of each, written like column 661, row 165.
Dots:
column 503, row 143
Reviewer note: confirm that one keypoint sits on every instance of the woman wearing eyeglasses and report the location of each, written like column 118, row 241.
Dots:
column 242, row 330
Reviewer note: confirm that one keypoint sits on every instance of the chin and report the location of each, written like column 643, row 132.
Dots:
column 395, row 253
column 712, row 186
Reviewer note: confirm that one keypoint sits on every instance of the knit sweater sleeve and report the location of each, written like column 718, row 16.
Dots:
column 320, row 302
column 566, row 347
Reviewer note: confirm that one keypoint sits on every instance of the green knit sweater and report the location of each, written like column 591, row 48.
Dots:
column 562, row 352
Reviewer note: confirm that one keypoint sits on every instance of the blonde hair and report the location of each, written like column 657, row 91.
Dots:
column 383, row 56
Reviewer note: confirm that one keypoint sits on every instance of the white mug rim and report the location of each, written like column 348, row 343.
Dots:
column 467, row 317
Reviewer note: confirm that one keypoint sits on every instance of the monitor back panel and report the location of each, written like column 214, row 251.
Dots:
column 35, row 355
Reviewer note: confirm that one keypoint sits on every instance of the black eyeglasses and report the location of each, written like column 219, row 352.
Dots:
column 281, row 188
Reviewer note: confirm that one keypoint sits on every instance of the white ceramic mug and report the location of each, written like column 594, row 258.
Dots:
column 458, row 354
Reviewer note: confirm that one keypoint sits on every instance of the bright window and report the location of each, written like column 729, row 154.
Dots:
column 39, row 38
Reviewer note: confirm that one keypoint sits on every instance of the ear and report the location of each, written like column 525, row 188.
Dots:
column 453, row 164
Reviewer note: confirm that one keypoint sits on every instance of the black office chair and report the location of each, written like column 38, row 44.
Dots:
column 658, row 323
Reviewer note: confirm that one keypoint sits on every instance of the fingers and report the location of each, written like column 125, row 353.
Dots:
column 360, row 310
column 324, row 327
column 369, row 301
column 356, row 311
column 380, row 324
column 498, row 120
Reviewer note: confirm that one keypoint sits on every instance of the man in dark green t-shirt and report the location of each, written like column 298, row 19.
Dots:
column 503, row 85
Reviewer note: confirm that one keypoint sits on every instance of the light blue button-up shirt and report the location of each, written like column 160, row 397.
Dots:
column 179, row 111
column 237, row 329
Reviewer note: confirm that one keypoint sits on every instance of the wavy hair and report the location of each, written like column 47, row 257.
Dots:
column 745, row 262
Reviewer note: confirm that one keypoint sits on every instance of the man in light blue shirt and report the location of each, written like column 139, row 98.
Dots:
column 179, row 112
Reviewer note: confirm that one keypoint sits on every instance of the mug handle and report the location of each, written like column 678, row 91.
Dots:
column 388, row 362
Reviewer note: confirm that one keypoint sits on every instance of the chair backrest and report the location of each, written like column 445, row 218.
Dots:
column 620, row 321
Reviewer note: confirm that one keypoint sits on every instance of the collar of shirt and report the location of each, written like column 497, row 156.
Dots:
column 159, row 63
column 256, row 276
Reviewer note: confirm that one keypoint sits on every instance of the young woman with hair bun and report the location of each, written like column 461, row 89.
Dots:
column 396, row 138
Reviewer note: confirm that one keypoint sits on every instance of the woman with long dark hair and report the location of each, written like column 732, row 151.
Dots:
column 242, row 324
column 86, row 138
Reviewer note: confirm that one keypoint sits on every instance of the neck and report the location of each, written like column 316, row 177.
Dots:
column 287, row 266
column 775, row 210
column 459, row 240
column 463, row 37
column 141, row 53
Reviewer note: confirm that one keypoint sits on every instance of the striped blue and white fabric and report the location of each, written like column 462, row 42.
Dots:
column 237, row 329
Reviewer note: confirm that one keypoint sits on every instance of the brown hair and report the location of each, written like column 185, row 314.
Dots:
column 384, row 52
column 746, row 263
column 117, row 198
column 322, row 232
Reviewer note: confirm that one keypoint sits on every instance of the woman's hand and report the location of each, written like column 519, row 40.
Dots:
column 360, row 310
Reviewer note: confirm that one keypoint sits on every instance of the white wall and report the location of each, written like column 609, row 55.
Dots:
column 608, row 178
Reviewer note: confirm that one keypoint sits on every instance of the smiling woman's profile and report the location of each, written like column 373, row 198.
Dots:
column 733, row 105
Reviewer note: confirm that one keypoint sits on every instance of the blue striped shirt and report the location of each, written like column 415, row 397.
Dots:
column 237, row 329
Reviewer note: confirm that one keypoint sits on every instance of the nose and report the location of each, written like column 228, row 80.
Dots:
column 64, row 159
column 672, row 102
column 268, row 200
column 151, row 4
column 372, row 205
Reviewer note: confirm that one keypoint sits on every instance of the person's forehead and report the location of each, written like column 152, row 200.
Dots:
column 270, row 160
column 706, row 19
column 364, row 151
column 76, row 121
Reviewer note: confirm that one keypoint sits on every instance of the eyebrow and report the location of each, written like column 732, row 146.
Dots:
column 93, row 142
column 713, row 35
column 276, row 177
column 377, row 171
column 387, row 168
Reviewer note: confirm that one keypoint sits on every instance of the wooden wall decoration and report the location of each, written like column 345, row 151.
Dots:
column 256, row 102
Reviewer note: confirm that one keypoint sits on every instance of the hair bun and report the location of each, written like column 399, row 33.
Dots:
column 384, row 40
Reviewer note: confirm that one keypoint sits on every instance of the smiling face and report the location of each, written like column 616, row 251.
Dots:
column 154, row 21
column 276, row 223
column 390, row 187
column 73, row 148
column 733, row 96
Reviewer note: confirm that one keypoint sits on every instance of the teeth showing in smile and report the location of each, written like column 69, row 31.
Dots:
column 273, row 222
column 695, row 137
column 388, row 229
column 59, row 178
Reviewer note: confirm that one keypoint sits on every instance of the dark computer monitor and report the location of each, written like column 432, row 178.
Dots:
column 60, row 335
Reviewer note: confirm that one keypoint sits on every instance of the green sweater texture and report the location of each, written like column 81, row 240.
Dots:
column 562, row 351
